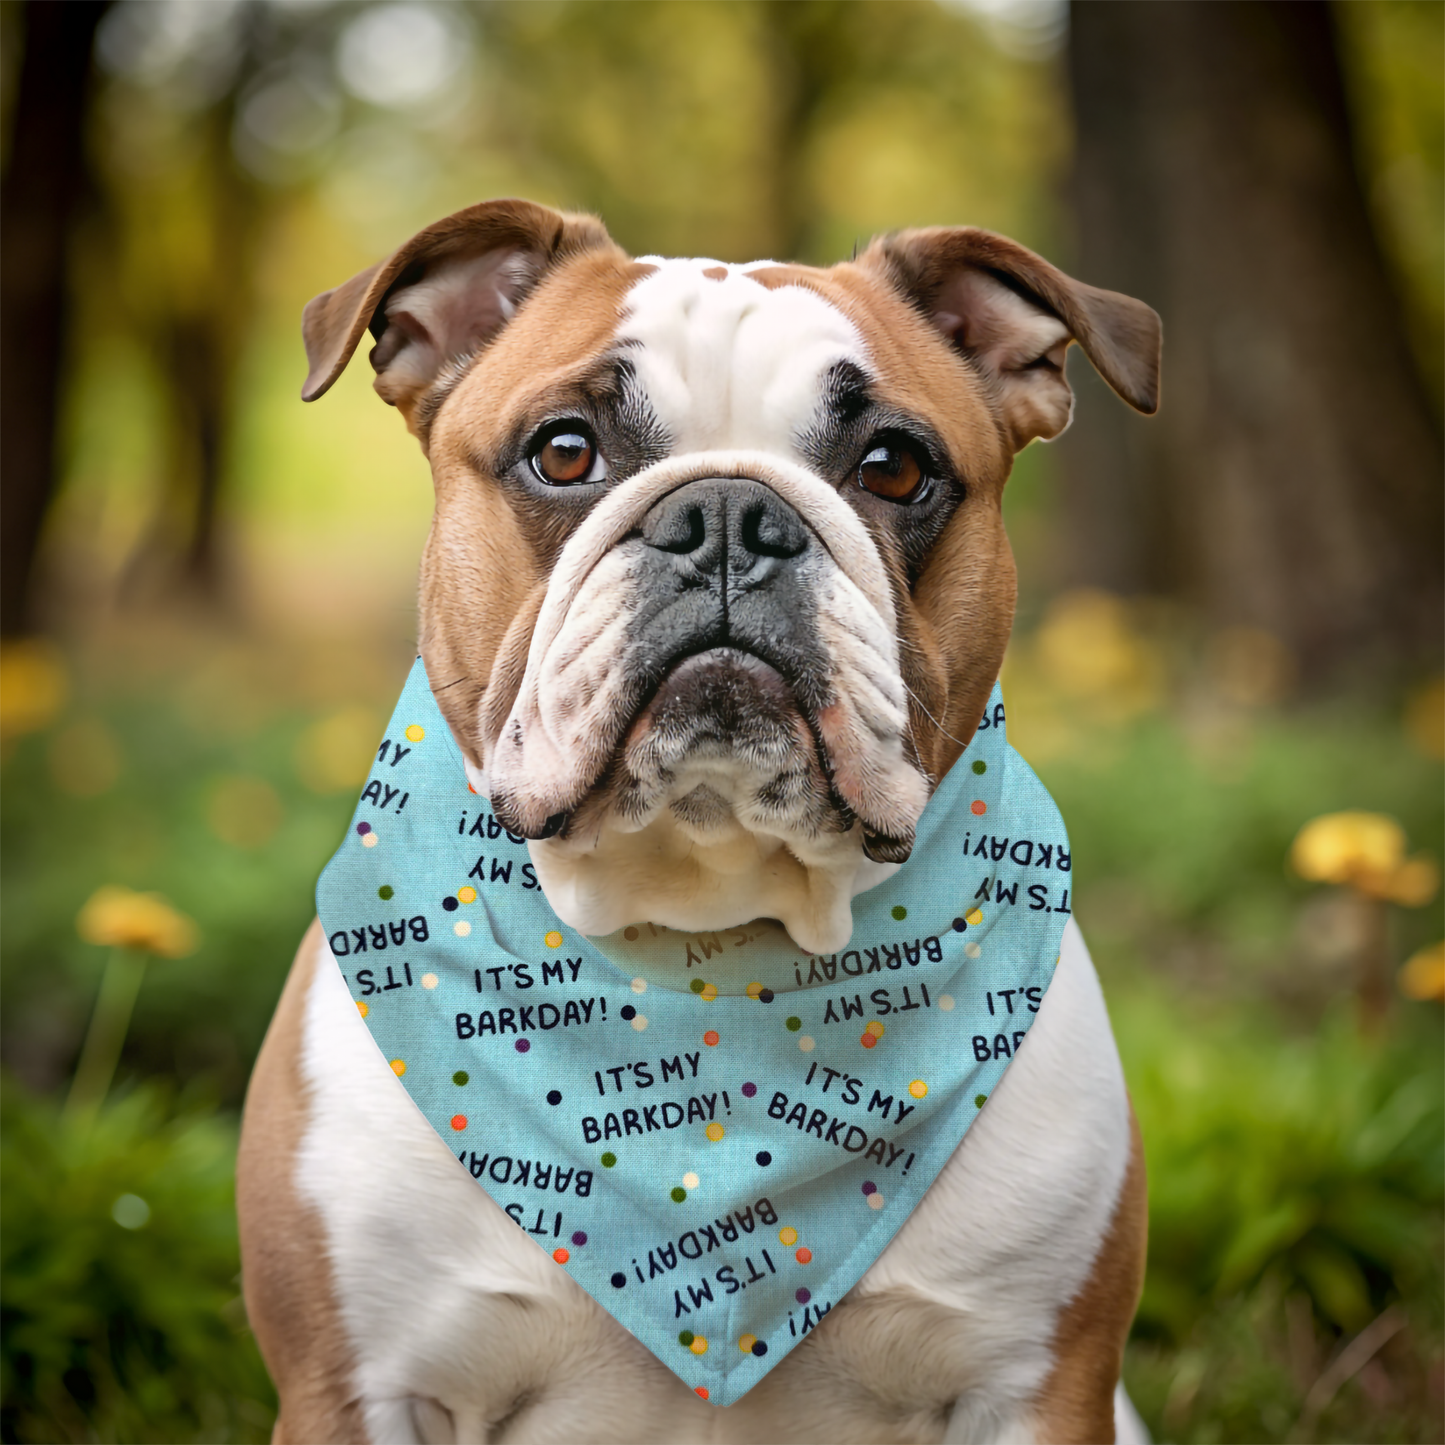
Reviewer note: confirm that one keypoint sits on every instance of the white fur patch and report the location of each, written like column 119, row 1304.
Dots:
column 731, row 363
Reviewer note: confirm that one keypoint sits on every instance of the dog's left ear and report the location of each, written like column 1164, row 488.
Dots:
column 1013, row 315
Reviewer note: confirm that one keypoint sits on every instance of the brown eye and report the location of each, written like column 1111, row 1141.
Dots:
column 891, row 470
column 566, row 458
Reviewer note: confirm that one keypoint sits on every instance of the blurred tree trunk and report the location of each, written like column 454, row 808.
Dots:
column 41, row 195
column 1292, row 480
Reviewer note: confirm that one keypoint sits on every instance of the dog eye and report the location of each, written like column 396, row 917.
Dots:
column 567, row 457
column 891, row 470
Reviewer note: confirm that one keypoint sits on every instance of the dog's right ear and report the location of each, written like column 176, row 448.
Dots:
column 441, row 296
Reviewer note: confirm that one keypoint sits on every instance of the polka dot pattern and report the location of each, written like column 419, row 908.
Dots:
column 461, row 928
column 461, row 1077
column 415, row 733
column 362, row 1007
column 552, row 939
column 385, row 891
column 918, row 1089
column 429, row 980
column 899, row 912
column 398, row 1067
column 714, row 1131
column 690, row 1180
column 978, row 807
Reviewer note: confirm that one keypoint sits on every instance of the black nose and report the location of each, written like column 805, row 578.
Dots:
column 726, row 525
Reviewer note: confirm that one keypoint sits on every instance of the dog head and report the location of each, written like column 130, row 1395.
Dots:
column 717, row 584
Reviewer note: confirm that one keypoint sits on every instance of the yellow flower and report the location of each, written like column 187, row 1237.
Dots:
column 1423, row 976
column 32, row 686
column 119, row 918
column 1341, row 847
column 1366, row 851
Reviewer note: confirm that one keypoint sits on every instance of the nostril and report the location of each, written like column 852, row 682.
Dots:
column 684, row 531
column 770, row 532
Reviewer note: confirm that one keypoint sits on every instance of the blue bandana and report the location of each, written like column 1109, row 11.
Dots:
column 715, row 1134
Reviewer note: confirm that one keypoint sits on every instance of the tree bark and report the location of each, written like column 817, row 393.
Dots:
column 1292, row 480
column 40, row 197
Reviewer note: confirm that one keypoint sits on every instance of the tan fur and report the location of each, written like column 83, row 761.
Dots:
column 285, row 1272
column 1076, row 1404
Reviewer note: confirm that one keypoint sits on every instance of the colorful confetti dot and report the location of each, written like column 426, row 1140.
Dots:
column 974, row 916
column 869, row 1041
column 918, row 1088
column 978, row 807
column 618, row 1280
column 579, row 1238
column 450, row 904
column 554, row 1097
column 467, row 894
column 362, row 1008
column 793, row 1024
column 787, row 1235
column 874, row 1028
column 749, row 1091
column 609, row 1159
column 370, row 841
column 764, row 1158
column 759, row 1348
column 980, row 767
column 714, row 1131
column 979, row 1100
column 639, row 985
column 561, row 1256
column 459, row 1121
column 552, row 939
column 429, row 980
column 385, row 891
column 415, row 733
column 899, row 912
column 746, row 1343
column 627, row 1011
column 972, row 950
column 690, row 1180
column 685, row 1338
column 753, row 990
column 709, row 993
column 630, row 933
column 698, row 1345
column 461, row 1077
column 869, row 1187
column 398, row 1067
column 803, row 1296
column 461, row 928
column 678, row 1195
column 945, row 1002
column 959, row 925
column 363, row 828
column 807, row 1043
column 522, row 1045
column 700, row 1391
column 766, row 996
column 712, row 1038
column 875, row 1201
column 640, row 1022
column 697, row 985
column 804, row 1255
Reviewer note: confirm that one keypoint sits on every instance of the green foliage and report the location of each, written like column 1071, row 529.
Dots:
column 121, row 1314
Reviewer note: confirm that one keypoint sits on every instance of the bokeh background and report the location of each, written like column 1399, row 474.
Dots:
column 1230, row 621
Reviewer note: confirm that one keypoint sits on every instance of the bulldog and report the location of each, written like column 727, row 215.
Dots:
column 715, row 595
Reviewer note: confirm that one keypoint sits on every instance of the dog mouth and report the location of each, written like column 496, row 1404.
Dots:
column 726, row 737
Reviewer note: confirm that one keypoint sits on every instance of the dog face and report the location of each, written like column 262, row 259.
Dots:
column 717, row 585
